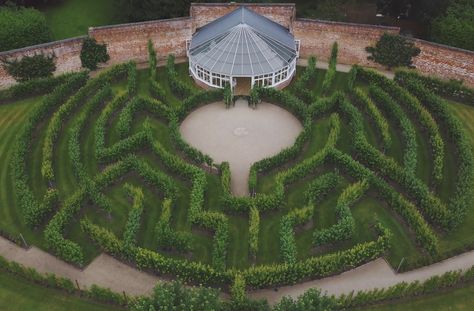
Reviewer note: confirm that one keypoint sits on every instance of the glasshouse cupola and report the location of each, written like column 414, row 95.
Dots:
column 243, row 45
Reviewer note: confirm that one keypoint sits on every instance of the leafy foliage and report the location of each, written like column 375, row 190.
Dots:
column 93, row 54
column 30, row 67
column 20, row 27
column 455, row 27
column 393, row 51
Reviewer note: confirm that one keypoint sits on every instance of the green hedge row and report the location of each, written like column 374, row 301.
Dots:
column 408, row 211
column 64, row 284
column 61, row 115
column 34, row 211
column 217, row 222
column 427, row 201
column 179, row 88
column 254, row 231
column 316, row 190
column 454, row 129
column 287, row 236
column 405, row 290
column 415, row 107
column 32, row 88
column 453, row 88
column 155, row 107
column 345, row 226
column 166, row 238
column 408, row 130
column 74, row 148
column 134, row 218
column 316, row 267
column 381, row 123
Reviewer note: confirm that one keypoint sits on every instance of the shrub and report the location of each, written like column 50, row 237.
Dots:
column 254, row 230
column 331, row 72
column 393, row 51
column 30, row 67
column 93, row 54
column 152, row 62
column 20, row 27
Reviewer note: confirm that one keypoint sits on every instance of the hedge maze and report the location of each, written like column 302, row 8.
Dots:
column 381, row 168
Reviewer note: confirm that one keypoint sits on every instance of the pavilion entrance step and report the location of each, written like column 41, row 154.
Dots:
column 242, row 88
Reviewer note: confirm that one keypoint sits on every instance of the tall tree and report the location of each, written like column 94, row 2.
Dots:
column 21, row 27
column 456, row 27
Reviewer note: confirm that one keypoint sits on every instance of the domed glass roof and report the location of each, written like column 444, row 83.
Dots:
column 242, row 43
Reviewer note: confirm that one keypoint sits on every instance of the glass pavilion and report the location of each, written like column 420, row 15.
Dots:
column 242, row 44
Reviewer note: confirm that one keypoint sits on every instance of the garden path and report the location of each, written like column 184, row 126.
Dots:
column 108, row 272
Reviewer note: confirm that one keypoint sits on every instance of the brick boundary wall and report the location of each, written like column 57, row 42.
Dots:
column 129, row 41
column 67, row 56
column 318, row 36
column 444, row 61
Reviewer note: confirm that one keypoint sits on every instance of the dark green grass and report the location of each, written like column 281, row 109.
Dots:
column 21, row 295
column 459, row 299
column 71, row 18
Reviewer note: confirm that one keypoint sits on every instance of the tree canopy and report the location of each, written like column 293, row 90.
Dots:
column 456, row 27
column 20, row 27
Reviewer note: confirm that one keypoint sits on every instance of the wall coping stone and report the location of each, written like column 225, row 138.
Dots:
column 323, row 21
column 123, row 25
column 441, row 45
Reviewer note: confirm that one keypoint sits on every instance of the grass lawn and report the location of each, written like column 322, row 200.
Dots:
column 461, row 299
column 71, row 18
column 21, row 295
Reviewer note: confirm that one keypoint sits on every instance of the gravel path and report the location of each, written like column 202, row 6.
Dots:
column 240, row 135
column 104, row 270
column 375, row 274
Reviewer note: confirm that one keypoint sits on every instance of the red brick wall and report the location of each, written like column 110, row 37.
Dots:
column 129, row 41
column 445, row 62
column 317, row 38
column 67, row 56
column 204, row 13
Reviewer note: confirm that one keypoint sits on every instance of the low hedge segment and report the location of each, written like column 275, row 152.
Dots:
column 452, row 88
column 166, row 237
column 345, row 226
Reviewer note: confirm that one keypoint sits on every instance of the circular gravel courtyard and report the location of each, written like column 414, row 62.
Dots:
column 240, row 135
